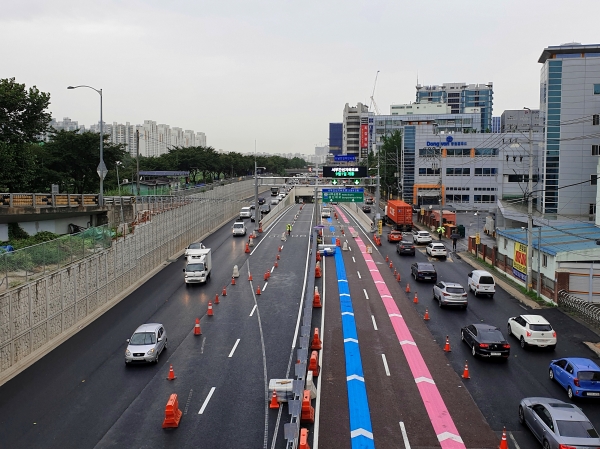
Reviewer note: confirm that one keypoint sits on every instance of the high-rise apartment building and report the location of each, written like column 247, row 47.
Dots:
column 356, row 133
column 462, row 98
column 570, row 110
column 336, row 132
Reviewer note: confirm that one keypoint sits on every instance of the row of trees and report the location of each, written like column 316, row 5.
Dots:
column 70, row 158
column 390, row 163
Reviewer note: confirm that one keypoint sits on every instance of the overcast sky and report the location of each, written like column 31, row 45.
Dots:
column 276, row 72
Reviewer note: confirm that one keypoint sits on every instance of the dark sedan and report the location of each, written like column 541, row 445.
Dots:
column 265, row 209
column 422, row 271
column 485, row 341
column 366, row 209
column 405, row 248
column 261, row 200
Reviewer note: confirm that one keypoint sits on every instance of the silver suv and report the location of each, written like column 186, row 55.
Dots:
column 146, row 344
column 421, row 237
column 450, row 294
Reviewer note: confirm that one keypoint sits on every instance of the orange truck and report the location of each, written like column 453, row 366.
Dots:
column 400, row 214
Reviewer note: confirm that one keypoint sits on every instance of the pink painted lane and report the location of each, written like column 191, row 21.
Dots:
column 439, row 415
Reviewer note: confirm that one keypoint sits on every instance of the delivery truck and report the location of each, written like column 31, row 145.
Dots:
column 197, row 267
column 399, row 215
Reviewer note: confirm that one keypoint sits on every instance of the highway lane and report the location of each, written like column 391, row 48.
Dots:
column 82, row 395
column 496, row 386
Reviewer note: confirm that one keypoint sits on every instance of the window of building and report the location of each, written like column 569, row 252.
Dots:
column 596, row 119
column 484, row 198
column 429, row 171
column 457, row 198
column 486, row 171
column 593, row 180
column 592, row 209
column 596, row 89
column 458, row 171
column 485, row 189
column 429, row 152
column 544, row 260
column 595, row 150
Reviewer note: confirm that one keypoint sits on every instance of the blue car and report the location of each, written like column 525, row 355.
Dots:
column 579, row 376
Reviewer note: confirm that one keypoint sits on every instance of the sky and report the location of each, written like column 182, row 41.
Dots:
column 272, row 75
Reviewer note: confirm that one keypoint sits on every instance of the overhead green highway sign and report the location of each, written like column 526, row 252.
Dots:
column 343, row 195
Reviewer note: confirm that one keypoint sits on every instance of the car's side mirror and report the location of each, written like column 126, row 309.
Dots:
column 160, row 339
column 127, row 340
column 184, row 270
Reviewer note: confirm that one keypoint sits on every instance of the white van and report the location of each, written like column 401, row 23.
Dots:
column 245, row 212
column 480, row 281
column 274, row 201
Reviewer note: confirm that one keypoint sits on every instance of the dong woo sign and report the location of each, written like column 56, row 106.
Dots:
column 364, row 136
column 520, row 261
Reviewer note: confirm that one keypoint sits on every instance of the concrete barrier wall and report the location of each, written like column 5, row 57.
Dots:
column 364, row 220
column 38, row 316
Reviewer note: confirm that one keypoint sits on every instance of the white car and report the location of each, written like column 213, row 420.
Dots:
column 146, row 344
column 532, row 330
column 239, row 228
column 194, row 249
column 245, row 212
column 325, row 212
column 421, row 237
column 480, row 281
column 436, row 250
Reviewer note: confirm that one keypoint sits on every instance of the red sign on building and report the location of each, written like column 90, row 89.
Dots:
column 364, row 136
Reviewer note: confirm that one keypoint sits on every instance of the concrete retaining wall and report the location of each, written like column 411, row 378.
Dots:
column 38, row 316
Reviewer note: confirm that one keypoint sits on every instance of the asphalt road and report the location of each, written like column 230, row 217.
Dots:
column 82, row 395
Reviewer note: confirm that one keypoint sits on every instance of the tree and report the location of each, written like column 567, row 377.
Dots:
column 23, row 119
column 390, row 161
column 70, row 160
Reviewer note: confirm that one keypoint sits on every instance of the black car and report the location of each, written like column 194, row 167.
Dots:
column 366, row 209
column 265, row 209
column 405, row 248
column 485, row 341
column 261, row 200
column 423, row 271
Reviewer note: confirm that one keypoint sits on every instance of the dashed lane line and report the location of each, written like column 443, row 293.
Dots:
column 233, row 349
column 385, row 365
column 210, row 393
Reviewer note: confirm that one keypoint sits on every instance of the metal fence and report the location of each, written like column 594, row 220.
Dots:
column 586, row 310
column 27, row 264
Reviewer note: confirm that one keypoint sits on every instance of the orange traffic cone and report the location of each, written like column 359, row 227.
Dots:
column 337, row 242
column 313, row 364
column 224, row 293
column 466, row 371
column 250, row 276
column 266, row 276
column 276, row 264
column 316, row 343
column 217, row 298
column 258, row 290
column 197, row 330
column 210, row 311
column 391, row 265
column 416, row 299
column 260, row 226
column 447, row 345
column 318, row 270
column 318, row 256
column 278, row 257
column 395, row 272
column 304, row 439
column 398, row 277
column 307, row 410
column 232, row 280
column 172, row 375
column 279, row 248
column 503, row 442
column 342, row 231
column 317, row 299
column 247, row 250
column 426, row 317
column 387, row 259
column 407, row 288
column 274, row 403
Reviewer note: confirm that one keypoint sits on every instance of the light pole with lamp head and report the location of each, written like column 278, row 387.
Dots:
column 119, row 183
column 257, row 214
column 101, row 170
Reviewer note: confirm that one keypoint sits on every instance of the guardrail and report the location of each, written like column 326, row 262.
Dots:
column 587, row 310
column 47, row 200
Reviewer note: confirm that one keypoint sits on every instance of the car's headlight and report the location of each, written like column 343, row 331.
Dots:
column 150, row 352
column 127, row 353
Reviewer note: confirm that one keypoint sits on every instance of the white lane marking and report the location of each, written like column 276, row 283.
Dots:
column 233, row 349
column 395, row 315
column 449, row 436
column 418, row 380
column 345, row 294
column 265, row 287
column 404, row 436
column 385, row 365
column 522, row 306
column 513, row 440
column 374, row 323
column 272, row 268
column 361, row 433
column 359, row 277
column 353, row 260
column 349, row 248
column 210, row 393
column 350, row 340
column 355, row 377
column 202, row 346
column 253, row 309
column 408, row 342
column 366, row 295
column 347, row 313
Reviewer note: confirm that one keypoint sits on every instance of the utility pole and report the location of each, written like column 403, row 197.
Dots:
column 137, row 146
column 257, row 215
column 530, row 206
column 377, row 192
column 539, row 276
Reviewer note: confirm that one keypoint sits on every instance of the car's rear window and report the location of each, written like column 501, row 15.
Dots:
column 426, row 267
column 589, row 375
column 491, row 335
column 576, row 429
column 540, row 327
column 238, row 225
column 455, row 290
column 486, row 280
column 143, row 338
column 424, row 233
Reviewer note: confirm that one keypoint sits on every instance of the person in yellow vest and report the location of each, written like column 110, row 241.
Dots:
column 289, row 228
column 441, row 230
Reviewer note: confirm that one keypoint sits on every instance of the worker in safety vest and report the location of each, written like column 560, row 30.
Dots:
column 288, row 228
column 440, row 231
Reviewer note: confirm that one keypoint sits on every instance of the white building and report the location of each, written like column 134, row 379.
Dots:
column 356, row 131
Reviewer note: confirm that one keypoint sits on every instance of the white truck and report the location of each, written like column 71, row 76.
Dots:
column 198, row 266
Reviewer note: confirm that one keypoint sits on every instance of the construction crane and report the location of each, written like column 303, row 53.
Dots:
column 373, row 103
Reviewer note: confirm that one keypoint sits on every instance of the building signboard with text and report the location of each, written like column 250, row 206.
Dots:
column 520, row 261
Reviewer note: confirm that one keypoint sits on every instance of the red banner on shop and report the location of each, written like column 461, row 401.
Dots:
column 364, row 136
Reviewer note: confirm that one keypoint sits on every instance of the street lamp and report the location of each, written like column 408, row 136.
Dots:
column 101, row 170
column 119, row 183
column 530, row 206
column 257, row 215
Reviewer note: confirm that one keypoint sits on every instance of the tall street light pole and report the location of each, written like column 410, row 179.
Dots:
column 120, row 196
column 101, row 170
column 257, row 213
column 530, row 206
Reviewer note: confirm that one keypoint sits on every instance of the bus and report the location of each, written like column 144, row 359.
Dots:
column 274, row 191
